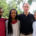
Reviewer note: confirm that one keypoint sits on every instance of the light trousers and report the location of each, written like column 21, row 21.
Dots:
column 25, row 35
column 15, row 30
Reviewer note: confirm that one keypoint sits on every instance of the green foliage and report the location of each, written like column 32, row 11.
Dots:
column 4, row 5
column 30, row 1
column 12, row 4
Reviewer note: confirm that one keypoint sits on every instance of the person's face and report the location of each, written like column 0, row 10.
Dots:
column 35, row 15
column 26, row 7
column 13, row 14
column 1, row 12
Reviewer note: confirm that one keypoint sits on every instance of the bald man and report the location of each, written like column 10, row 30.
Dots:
column 26, row 20
column 2, row 24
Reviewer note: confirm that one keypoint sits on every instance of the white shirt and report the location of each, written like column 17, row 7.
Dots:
column 34, row 28
column 16, row 27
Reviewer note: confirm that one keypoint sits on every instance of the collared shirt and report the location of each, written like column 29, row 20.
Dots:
column 26, row 23
column 2, row 26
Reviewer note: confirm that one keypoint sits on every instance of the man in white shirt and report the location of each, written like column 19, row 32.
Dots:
column 34, row 25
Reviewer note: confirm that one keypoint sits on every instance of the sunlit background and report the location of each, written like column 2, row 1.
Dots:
column 17, row 4
column 32, row 6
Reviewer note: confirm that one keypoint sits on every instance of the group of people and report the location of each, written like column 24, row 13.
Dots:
column 18, row 25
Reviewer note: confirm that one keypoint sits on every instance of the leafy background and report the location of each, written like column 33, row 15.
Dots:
column 12, row 4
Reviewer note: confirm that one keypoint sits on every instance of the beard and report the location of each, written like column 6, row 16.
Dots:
column 0, row 16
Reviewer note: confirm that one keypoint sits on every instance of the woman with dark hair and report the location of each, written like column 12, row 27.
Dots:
column 13, row 23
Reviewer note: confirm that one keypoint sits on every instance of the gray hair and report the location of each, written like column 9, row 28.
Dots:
column 25, row 3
